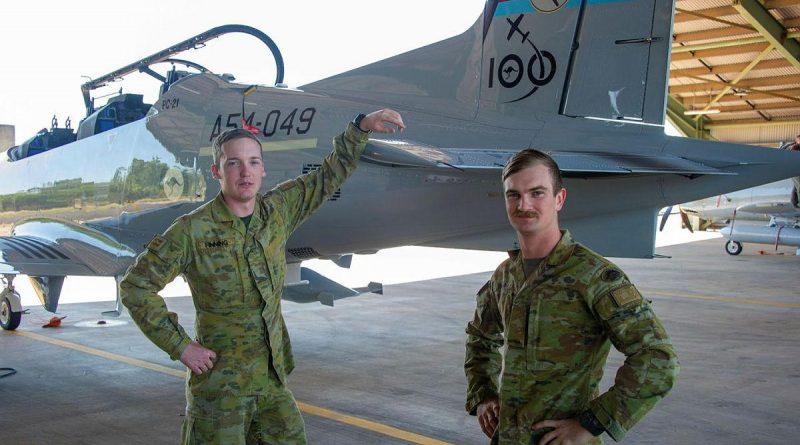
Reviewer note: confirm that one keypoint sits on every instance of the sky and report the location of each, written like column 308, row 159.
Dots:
column 50, row 48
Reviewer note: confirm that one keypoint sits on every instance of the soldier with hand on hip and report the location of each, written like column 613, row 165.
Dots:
column 231, row 251
column 544, row 324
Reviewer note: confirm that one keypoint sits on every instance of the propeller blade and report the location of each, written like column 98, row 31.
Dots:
column 664, row 218
column 685, row 219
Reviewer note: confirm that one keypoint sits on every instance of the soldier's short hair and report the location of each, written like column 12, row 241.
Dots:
column 229, row 135
column 530, row 158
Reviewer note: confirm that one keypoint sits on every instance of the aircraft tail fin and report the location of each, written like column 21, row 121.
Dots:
column 581, row 58
column 587, row 58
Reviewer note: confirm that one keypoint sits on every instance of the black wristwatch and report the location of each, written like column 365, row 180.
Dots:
column 357, row 122
column 588, row 420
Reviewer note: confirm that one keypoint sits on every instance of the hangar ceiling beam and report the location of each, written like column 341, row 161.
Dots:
column 730, row 43
column 736, row 79
column 768, row 27
column 756, row 123
column 687, row 126
column 718, row 33
column 694, row 53
column 708, row 86
column 751, row 95
column 757, row 107
column 729, row 68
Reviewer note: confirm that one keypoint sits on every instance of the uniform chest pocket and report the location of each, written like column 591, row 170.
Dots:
column 274, row 257
column 218, row 275
column 562, row 333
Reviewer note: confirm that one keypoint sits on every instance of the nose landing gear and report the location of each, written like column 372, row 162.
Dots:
column 10, row 305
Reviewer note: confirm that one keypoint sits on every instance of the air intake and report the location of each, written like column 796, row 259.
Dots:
column 31, row 247
column 304, row 253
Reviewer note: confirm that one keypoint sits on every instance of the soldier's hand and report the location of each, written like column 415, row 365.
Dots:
column 197, row 358
column 377, row 121
column 488, row 416
column 565, row 432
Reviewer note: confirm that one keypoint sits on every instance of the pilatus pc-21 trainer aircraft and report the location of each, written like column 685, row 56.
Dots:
column 583, row 80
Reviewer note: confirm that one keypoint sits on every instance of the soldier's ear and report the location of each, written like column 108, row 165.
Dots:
column 561, row 197
column 215, row 171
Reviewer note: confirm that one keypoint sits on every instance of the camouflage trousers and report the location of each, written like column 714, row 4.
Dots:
column 271, row 418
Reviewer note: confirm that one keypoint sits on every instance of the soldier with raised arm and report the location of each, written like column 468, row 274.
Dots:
column 231, row 252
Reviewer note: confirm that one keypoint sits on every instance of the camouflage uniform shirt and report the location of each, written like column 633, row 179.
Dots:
column 539, row 344
column 236, row 277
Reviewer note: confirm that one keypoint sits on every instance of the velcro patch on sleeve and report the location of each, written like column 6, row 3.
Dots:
column 626, row 295
column 156, row 243
column 605, row 308
column 620, row 298
column 159, row 246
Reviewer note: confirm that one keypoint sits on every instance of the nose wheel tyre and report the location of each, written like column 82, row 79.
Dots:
column 9, row 320
column 733, row 247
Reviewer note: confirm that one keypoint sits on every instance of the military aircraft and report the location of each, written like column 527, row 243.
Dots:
column 783, row 228
column 765, row 201
column 585, row 81
column 736, row 214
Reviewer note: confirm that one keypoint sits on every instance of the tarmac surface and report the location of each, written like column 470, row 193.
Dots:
column 388, row 369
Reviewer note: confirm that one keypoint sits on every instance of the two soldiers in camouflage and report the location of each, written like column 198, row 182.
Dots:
column 554, row 308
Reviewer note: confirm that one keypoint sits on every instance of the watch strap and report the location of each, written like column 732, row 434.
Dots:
column 589, row 421
column 357, row 122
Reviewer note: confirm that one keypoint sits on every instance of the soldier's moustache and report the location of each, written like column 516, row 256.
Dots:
column 525, row 214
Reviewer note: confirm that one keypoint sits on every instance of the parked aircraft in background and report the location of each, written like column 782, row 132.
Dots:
column 718, row 211
column 524, row 75
column 739, row 213
column 782, row 230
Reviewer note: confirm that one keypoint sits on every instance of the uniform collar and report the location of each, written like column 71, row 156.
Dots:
column 221, row 213
column 559, row 255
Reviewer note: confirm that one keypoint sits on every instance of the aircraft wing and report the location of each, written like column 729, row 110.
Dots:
column 35, row 256
column 45, row 247
column 777, row 209
column 401, row 153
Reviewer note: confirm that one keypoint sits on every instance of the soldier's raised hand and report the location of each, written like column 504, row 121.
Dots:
column 377, row 121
